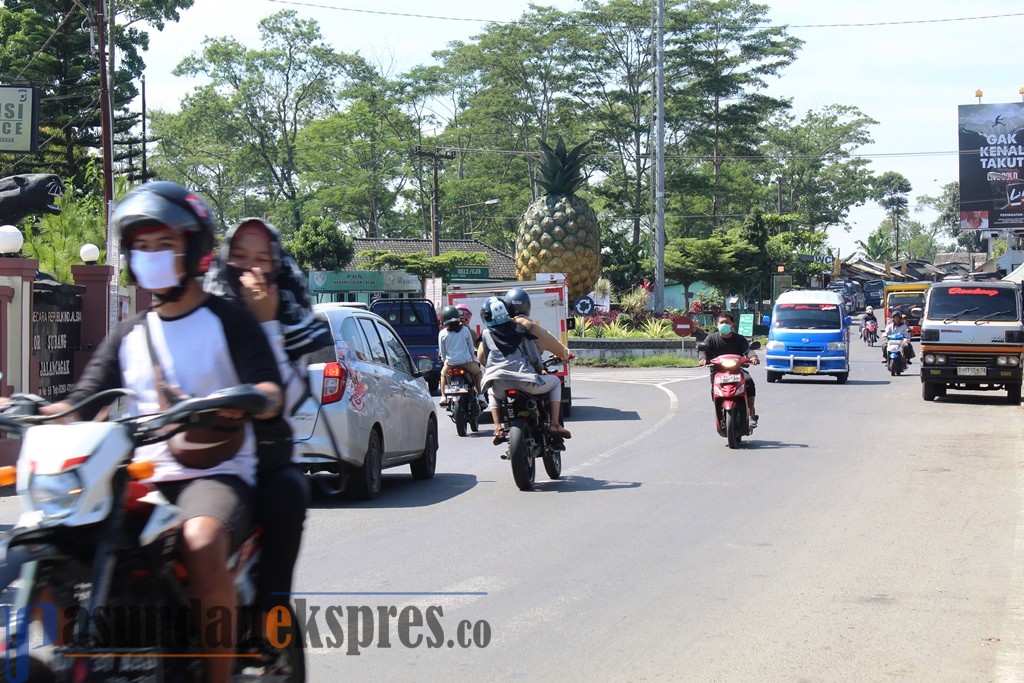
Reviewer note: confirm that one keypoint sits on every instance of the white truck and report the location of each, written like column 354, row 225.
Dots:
column 549, row 307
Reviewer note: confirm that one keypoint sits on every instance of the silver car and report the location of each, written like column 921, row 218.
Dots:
column 369, row 410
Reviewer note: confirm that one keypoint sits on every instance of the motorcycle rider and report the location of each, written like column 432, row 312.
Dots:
column 455, row 343
column 513, row 360
column 467, row 315
column 726, row 341
column 869, row 314
column 203, row 344
column 898, row 325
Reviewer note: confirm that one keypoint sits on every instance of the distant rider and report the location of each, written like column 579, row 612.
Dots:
column 869, row 314
column 725, row 341
column 898, row 325
column 455, row 343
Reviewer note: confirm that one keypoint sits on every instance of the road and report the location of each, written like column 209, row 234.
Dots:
column 861, row 535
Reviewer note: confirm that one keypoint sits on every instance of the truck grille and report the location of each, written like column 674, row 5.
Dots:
column 976, row 361
column 805, row 349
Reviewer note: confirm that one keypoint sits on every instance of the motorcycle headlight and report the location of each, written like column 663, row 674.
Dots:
column 55, row 495
column 837, row 346
column 776, row 345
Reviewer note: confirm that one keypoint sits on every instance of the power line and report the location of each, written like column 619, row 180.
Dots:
column 411, row 15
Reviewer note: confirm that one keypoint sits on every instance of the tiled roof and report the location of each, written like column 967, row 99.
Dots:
column 967, row 258
column 502, row 266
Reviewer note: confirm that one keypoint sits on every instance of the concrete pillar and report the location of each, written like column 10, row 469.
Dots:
column 96, row 280
column 16, row 276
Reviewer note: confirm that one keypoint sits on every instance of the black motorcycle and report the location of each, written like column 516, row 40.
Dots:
column 463, row 401
column 526, row 419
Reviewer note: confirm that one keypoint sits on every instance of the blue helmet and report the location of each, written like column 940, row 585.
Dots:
column 494, row 312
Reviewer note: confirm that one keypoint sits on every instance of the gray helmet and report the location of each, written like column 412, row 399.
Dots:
column 494, row 312
column 517, row 301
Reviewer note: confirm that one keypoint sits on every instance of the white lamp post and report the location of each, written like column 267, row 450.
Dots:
column 90, row 254
column 11, row 240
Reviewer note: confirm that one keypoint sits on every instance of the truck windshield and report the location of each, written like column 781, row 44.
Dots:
column 989, row 303
column 807, row 317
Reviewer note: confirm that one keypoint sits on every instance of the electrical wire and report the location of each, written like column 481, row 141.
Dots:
column 44, row 46
column 411, row 15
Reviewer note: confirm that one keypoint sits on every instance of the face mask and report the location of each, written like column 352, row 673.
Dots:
column 155, row 270
column 725, row 328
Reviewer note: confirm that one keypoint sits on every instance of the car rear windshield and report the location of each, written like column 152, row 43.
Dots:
column 807, row 317
column 905, row 303
column 973, row 303
column 414, row 321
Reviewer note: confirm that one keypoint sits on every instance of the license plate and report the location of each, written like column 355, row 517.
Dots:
column 805, row 370
column 730, row 378
column 972, row 372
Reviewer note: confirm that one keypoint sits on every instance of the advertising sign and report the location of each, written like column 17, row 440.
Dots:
column 19, row 119
column 992, row 166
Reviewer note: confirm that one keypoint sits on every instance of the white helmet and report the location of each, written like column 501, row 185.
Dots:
column 869, row 310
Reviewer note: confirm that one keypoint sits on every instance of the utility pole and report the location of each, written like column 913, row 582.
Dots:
column 659, row 192
column 107, row 141
column 437, row 154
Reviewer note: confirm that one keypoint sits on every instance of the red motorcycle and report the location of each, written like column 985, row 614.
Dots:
column 729, row 392
column 870, row 332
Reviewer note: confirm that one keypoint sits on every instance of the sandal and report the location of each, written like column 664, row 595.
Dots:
column 560, row 431
column 499, row 435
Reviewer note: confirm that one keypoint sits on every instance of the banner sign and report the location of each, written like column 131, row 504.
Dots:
column 19, row 119
column 992, row 166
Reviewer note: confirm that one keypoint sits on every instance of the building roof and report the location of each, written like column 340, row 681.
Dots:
column 967, row 258
column 502, row 266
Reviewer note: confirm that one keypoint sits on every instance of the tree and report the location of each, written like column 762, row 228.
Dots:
column 719, row 54
column 319, row 245
column 623, row 264
column 891, row 190
column 879, row 245
column 721, row 261
column 421, row 264
column 48, row 43
column 269, row 94
column 947, row 204
column 813, row 168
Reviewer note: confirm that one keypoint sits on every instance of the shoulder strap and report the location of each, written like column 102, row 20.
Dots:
column 163, row 390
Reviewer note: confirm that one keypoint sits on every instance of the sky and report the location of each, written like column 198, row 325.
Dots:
column 908, row 64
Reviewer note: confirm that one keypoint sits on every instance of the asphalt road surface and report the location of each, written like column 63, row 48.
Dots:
column 860, row 535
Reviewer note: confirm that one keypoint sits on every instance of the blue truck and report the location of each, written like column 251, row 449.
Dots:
column 417, row 325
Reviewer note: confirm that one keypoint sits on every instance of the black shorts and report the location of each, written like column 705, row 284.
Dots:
column 226, row 498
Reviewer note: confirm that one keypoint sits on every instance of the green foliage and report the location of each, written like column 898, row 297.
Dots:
column 320, row 245
column 561, row 170
column 879, row 246
column 421, row 264
column 634, row 302
column 666, row 360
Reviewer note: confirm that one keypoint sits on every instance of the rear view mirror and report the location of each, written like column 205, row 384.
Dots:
column 424, row 364
column 766, row 320
column 755, row 345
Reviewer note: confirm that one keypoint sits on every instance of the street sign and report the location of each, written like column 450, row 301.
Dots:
column 471, row 273
column 682, row 325
column 584, row 305
column 746, row 325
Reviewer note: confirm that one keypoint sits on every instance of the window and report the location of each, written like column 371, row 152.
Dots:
column 807, row 317
column 397, row 356
column 376, row 347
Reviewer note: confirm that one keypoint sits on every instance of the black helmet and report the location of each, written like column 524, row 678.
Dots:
column 517, row 301
column 449, row 315
column 159, row 204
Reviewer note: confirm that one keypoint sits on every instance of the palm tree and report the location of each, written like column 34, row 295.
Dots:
column 878, row 247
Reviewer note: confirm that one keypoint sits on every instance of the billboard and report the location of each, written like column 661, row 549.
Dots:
column 992, row 166
column 19, row 119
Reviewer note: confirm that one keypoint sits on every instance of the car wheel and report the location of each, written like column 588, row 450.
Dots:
column 424, row 466
column 842, row 377
column 773, row 376
column 365, row 481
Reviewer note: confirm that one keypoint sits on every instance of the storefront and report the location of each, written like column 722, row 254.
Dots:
column 363, row 285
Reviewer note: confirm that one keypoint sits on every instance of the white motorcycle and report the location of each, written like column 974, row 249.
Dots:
column 102, row 594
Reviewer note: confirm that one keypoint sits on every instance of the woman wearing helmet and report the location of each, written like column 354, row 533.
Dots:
column 513, row 360
column 202, row 344
column 518, row 301
column 455, row 344
column 869, row 315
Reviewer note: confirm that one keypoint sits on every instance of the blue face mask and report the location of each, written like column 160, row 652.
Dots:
column 725, row 328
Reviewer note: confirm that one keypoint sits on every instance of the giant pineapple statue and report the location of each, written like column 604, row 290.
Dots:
column 559, row 232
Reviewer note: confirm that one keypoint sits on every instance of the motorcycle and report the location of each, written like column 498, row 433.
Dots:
column 463, row 402
column 729, row 393
column 526, row 419
column 870, row 332
column 894, row 354
column 94, row 554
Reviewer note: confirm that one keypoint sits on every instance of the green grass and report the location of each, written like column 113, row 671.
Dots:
column 660, row 361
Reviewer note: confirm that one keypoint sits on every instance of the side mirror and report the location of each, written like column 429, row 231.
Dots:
column 916, row 311
column 766, row 320
column 754, row 345
column 424, row 364
column 847, row 320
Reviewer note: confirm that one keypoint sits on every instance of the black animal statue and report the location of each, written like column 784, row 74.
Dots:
column 27, row 194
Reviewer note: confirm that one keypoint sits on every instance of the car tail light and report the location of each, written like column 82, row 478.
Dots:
column 334, row 383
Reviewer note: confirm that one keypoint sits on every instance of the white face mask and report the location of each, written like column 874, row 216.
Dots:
column 155, row 270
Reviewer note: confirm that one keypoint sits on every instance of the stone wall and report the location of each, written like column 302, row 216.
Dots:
column 601, row 349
